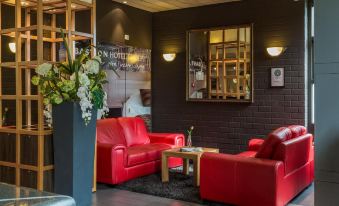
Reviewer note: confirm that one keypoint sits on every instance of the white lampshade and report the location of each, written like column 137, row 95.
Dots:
column 275, row 51
column 169, row 57
column 12, row 47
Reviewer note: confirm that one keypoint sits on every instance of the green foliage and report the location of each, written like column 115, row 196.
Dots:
column 60, row 82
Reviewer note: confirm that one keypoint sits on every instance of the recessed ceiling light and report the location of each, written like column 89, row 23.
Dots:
column 125, row 2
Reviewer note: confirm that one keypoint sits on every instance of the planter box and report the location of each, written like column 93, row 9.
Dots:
column 74, row 145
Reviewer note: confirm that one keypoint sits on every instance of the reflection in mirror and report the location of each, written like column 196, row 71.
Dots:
column 219, row 66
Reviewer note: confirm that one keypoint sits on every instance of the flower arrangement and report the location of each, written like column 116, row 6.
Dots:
column 77, row 80
column 189, row 137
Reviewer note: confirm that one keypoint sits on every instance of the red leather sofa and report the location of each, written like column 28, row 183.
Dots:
column 271, row 173
column 125, row 150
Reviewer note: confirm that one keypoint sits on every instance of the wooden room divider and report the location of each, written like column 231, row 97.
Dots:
column 30, row 36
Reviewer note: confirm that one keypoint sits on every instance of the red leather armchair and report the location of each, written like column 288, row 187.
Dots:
column 125, row 150
column 271, row 173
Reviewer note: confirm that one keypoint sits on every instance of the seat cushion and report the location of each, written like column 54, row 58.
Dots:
column 297, row 130
column 247, row 154
column 145, row 153
column 134, row 130
column 274, row 139
column 109, row 131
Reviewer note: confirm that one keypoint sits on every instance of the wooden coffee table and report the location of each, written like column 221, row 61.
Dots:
column 186, row 156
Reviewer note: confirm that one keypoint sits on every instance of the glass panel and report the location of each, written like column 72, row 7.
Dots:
column 213, row 85
column 242, row 84
column 213, row 52
column 220, row 69
column 214, row 69
column 81, row 45
column 232, row 86
column 231, row 35
column 248, row 35
column 242, row 35
column 220, row 53
column 241, row 69
column 216, row 36
column 231, row 69
column 230, row 53
column 242, row 52
column 229, row 59
column 248, row 68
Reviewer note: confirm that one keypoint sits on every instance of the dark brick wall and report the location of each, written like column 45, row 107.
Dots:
column 114, row 20
column 225, row 125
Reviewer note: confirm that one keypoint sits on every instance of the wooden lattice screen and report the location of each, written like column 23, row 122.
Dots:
column 32, row 26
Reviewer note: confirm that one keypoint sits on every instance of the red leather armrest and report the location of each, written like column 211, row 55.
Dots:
column 295, row 153
column 240, row 180
column 168, row 138
column 255, row 144
column 111, row 162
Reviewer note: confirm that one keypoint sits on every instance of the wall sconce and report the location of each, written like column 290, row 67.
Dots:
column 275, row 51
column 133, row 58
column 169, row 57
column 12, row 47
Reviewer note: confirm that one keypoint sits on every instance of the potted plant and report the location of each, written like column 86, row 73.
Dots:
column 73, row 96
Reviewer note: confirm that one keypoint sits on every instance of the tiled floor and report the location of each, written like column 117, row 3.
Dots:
column 114, row 197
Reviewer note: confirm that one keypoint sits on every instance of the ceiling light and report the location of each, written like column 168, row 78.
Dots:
column 169, row 57
column 275, row 51
column 125, row 2
column 24, row 3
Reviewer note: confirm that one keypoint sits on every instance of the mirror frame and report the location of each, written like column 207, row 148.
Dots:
column 188, row 99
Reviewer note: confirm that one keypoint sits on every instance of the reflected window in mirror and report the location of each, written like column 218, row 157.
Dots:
column 219, row 64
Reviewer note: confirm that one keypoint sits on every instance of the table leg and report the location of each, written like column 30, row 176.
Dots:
column 164, row 168
column 196, row 170
column 186, row 166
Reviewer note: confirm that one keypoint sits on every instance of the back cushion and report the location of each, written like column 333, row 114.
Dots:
column 295, row 153
column 274, row 139
column 297, row 130
column 109, row 131
column 134, row 130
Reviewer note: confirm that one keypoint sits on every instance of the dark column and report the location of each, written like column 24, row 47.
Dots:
column 327, row 102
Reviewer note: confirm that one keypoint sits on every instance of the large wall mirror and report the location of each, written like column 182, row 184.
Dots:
column 219, row 64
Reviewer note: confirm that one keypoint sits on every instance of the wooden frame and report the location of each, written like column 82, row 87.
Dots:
column 186, row 156
column 223, row 61
column 25, row 33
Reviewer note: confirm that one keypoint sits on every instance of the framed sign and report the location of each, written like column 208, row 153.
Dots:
column 277, row 77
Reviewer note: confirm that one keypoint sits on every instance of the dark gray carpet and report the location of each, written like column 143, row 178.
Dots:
column 180, row 187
